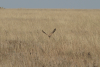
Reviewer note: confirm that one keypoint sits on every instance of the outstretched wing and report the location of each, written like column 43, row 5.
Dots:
column 44, row 32
column 52, row 32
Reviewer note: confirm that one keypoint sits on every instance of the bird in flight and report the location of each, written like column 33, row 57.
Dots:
column 50, row 33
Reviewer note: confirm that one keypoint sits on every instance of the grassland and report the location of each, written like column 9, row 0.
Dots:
column 76, row 42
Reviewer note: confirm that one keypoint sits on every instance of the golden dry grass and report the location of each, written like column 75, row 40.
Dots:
column 76, row 42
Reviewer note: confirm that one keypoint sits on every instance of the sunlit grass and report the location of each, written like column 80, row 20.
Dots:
column 75, row 43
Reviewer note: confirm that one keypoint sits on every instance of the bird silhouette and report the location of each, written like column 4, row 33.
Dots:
column 50, row 33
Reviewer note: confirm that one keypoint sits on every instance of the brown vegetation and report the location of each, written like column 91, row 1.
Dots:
column 2, row 8
column 76, row 43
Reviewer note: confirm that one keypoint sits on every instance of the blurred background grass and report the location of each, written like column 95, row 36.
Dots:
column 75, row 43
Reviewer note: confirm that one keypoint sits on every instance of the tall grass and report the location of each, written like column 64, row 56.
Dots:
column 76, row 42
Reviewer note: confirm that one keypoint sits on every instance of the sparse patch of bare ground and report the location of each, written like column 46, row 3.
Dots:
column 76, row 43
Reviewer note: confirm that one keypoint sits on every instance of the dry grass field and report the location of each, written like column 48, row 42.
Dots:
column 75, row 43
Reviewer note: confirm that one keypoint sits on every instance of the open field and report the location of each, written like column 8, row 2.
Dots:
column 75, row 43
